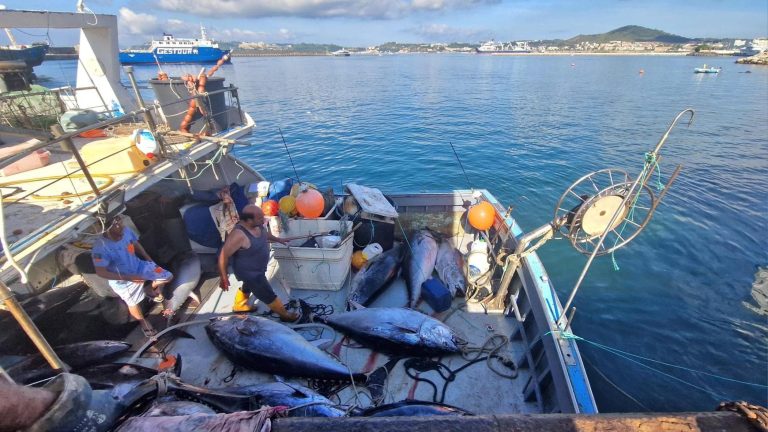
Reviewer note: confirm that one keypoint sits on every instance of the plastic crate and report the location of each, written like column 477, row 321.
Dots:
column 313, row 268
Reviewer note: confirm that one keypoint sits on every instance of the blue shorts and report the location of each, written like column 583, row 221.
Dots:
column 260, row 288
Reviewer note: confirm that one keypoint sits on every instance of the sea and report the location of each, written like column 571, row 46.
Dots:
column 683, row 323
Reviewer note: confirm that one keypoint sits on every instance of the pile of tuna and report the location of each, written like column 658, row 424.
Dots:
column 423, row 254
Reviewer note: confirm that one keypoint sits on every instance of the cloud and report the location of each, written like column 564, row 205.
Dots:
column 372, row 9
column 445, row 33
column 133, row 23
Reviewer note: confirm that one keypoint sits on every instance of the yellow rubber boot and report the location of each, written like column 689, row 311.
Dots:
column 279, row 308
column 241, row 302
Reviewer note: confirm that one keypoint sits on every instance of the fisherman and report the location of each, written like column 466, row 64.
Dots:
column 248, row 244
column 131, row 278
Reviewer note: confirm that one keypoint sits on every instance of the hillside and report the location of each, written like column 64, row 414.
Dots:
column 631, row 33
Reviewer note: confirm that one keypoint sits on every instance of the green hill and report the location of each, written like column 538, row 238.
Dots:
column 631, row 33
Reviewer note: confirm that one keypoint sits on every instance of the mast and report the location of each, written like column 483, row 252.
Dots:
column 10, row 37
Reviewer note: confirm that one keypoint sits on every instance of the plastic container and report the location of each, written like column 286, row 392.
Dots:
column 168, row 91
column 436, row 295
column 372, row 250
column 319, row 268
column 38, row 159
column 477, row 260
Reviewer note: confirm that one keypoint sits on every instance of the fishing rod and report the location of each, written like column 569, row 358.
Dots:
column 469, row 184
column 289, row 155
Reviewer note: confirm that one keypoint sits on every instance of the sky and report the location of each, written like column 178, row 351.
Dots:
column 361, row 23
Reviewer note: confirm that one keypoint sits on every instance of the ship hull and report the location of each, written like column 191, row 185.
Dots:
column 174, row 55
column 32, row 56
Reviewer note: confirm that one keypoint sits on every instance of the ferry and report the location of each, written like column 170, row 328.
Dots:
column 341, row 53
column 177, row 50
column 492, row 47
column 519, row 361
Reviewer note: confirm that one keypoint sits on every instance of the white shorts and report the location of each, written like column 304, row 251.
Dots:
column 132, row 293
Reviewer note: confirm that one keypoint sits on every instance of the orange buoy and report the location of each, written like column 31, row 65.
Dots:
column 481, row 215
column 358, row 260
column 288, row 205
column 310, row 203
column 270, row 208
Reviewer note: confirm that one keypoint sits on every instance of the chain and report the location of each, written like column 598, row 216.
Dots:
column 756, row 414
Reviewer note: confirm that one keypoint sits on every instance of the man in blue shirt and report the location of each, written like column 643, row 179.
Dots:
column 131, row 278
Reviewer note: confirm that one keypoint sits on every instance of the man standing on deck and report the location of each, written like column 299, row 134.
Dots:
column 248, row 245
column 114, row 257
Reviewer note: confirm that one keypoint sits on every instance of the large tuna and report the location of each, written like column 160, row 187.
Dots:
column 78, row 355
column 420, row 263
column 266, row 346
column 371, row 280
column 306, row 403
column 396, row 331
column 450, row 268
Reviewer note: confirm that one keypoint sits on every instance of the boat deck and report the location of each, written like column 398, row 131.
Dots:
column 476, row 389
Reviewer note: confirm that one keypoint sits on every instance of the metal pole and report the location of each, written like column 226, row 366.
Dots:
column 29, row 327
column 147, row 116
column 58, row 130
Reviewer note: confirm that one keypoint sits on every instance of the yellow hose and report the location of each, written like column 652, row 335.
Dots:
column 108, row 181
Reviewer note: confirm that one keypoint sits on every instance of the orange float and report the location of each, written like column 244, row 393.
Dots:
column 481, row 215
column 310, row 203
column 358, row 260
column 270, row 208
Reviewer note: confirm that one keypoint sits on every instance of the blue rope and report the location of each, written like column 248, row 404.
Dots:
column 650, row 159
column 627, row 356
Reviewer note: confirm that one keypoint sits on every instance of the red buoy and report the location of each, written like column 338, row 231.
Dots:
column 270, row 208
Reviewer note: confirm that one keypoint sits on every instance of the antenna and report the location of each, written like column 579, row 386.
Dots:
column 289, row 155
column 603, row 205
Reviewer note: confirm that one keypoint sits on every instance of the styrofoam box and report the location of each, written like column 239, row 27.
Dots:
column 313, row 268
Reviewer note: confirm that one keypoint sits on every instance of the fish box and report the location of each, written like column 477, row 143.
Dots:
column 309, row 267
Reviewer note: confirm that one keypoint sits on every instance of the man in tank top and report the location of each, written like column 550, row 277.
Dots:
column 248, row 246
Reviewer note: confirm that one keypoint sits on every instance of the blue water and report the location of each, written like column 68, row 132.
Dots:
column 526, row 128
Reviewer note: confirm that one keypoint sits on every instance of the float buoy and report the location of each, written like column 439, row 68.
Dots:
column 481, row 215
column 270, row 208
column 310, row 203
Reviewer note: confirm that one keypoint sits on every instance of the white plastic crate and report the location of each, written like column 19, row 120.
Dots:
column 309, row 267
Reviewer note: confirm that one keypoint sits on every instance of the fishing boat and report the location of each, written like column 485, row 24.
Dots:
column 177, row 50
column 498, row 48
column 707, row 70
column 155, row 176
column 33, row 55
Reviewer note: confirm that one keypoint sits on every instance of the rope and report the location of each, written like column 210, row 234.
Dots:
column 631, row 357
column 757, row 415
column 653, row 162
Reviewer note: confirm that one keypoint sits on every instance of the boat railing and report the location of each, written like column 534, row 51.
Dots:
column 174, row 147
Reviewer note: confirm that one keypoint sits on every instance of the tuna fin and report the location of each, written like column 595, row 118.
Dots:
column 243, row 330
column 177, row 366
column 322, row 343
column 353, row 305
column 178, row 333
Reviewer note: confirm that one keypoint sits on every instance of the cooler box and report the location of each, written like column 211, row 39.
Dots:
column 309, row 267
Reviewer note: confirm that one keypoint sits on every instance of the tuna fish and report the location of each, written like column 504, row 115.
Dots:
column 266, row 346
column 450, row 268
column 371, row 280
column 120, row 378
column 420, row 263
column 78, row 355
column 291, row 395
column 413, row 408
column 396, row 331
column 186, row 275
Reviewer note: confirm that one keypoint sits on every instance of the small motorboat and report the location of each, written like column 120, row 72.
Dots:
column 705, row 69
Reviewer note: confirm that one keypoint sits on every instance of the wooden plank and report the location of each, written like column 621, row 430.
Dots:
column 651, row 422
